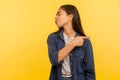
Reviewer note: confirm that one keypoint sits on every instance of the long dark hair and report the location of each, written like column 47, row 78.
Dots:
column 76, row 22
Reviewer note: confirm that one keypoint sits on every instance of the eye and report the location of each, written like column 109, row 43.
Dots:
column 58, row 14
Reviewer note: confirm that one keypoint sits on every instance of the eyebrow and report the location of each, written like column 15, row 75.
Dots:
column 58, row 12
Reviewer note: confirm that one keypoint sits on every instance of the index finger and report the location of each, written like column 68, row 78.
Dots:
column 85, row 37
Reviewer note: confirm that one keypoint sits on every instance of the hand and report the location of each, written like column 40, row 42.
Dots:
column 79, row 40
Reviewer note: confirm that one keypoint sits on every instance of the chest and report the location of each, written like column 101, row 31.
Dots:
column 77, row 53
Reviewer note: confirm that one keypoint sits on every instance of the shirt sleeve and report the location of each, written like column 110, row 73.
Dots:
column 89, row 61
column 52, row 49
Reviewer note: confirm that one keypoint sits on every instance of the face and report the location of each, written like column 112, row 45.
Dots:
column 62, row 18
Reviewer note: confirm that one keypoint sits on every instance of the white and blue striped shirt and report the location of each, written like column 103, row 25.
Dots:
column 66, row 71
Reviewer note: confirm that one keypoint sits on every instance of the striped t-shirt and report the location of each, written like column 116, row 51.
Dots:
column 66, row 71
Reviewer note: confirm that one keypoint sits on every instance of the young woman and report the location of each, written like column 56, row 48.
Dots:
column 70, row 50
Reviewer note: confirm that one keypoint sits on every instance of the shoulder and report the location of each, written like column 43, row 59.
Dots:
column 87, row 43
column 87, row 40
column 52, row 35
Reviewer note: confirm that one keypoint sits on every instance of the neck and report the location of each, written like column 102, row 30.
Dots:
column 68, row 30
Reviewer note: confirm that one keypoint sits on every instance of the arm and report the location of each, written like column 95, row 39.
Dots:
column 78, row 41
column 57, row 56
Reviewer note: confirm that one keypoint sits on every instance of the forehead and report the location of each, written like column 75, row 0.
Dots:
column 61, row 11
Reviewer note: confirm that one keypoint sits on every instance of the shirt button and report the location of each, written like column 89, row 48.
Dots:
column 71, row 72
column 70, row 54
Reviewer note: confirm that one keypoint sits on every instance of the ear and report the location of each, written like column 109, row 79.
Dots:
column 70, row 16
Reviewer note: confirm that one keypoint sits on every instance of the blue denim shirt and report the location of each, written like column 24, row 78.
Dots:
column 81, row 59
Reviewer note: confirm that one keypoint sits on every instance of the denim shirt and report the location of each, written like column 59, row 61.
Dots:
column 81, row 58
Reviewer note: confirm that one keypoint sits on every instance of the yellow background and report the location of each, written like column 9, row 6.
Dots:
column 25, row 25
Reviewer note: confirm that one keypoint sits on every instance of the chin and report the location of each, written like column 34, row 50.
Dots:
column 59, row 26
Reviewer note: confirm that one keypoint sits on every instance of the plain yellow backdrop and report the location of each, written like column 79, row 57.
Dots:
column 25, row 25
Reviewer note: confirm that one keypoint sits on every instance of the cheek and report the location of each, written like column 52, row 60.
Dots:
column 60, row 21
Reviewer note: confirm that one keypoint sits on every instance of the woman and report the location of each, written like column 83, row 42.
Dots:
column 70, row 51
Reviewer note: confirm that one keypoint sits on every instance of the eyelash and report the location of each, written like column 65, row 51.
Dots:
column 58, row 14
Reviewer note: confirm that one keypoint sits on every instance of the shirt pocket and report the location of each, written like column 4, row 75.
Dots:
column 60, row 44
column 79, row 54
